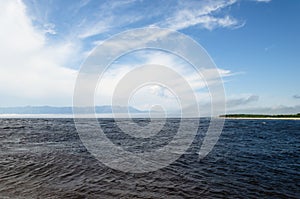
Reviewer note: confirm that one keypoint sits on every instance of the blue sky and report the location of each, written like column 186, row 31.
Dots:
column 255, row 44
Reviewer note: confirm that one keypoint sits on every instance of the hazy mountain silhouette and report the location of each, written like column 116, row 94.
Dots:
column 66, row 110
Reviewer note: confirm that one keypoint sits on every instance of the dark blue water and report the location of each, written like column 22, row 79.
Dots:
column 44, row 158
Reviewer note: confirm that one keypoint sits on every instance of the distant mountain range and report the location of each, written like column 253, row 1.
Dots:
column 66, row 110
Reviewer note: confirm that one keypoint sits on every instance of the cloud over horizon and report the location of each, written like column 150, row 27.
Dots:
column 241, row 101
column 32, row 71
column 44, row 44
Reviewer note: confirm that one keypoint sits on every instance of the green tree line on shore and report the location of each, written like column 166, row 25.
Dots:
column 260, row 116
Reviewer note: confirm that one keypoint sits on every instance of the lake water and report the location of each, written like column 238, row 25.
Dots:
column 44, row 158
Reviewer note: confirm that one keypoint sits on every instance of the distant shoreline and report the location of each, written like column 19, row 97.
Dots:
column 257, row 118
column 261, row 117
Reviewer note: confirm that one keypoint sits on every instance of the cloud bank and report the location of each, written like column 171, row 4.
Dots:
column 32, row 70
column 41, row 50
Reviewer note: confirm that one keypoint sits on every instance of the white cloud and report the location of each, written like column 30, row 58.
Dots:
column 16, row 33
column 265, row 1
column 202, row 13
column 150, row 95
column 106, row 19
column 97, row 28
column 50, row 28
column 32, row 71
column 114, row 15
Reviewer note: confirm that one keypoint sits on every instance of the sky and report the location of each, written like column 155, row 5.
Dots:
column 254, row 43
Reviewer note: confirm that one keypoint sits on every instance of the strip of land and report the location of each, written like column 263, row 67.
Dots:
column 261, row 116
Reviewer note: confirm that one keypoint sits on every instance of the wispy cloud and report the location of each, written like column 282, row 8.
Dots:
column 80, row 5
column 89, row 21
column 264, row 1
column 44, row 75
column 202, row 14
column 109, row 17
column 206, row 21
column 39, row 69
column 95, row 29
column 49, row 28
